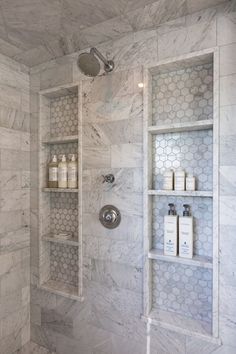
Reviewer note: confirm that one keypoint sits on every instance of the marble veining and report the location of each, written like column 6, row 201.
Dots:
column 72, row 25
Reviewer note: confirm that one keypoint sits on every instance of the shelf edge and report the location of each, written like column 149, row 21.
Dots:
column 206, row 194
column 201, row 263
column 181, row 127
column 58, row 240
column 60, row 190
column 61, row 293
column 178, row 329
column 61, row 140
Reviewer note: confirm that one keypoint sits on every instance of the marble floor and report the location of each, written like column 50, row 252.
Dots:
column 33, row 348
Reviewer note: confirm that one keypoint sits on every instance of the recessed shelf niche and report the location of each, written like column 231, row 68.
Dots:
column 180, row 130
column 60, row 259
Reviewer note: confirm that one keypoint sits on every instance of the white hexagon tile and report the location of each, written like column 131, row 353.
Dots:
column 63, row 149
column 184, row 95
column 64, row 213
column 64, row 263
column 64, row 116
column 192, row 151
column 182, row 289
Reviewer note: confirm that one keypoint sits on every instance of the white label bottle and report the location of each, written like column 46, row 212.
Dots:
column 186, row 233
column 72, row 173
column 168, row 180
column 171, row 232
column 62, row 173
column 180, row 180
column 53, row 173
column 190, row 183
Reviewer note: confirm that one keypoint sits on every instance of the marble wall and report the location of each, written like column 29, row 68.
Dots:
column 108, row 321
column 14, row 206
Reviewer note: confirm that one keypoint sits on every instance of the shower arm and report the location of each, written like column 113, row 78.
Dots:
column 109, row 65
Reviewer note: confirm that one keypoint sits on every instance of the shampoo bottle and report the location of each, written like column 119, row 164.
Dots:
column 53, row 173
column 186, row 233
column 171, row 232
column 62, row 173
column 72, row 172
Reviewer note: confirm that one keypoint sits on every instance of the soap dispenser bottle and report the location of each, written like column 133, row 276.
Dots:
column 62, row 173
column 72, row 172
column 186, row 233
column 53, row 173
column 171, row 232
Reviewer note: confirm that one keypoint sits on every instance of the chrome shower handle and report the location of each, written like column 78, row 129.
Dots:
column 110, row 178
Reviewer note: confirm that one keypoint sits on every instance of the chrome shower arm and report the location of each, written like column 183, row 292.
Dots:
column 108, row 64
column 99, row 55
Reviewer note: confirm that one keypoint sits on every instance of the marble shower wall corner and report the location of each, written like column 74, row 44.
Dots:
column 14, row 206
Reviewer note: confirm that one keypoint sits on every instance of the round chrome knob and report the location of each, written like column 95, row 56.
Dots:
column 109, row 216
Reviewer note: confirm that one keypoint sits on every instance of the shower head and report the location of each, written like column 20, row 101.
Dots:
column 89, row 64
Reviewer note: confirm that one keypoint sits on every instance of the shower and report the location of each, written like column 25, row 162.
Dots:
column 89, row 64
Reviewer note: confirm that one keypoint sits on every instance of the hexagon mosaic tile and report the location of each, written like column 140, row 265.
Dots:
column 184, row 95
column 64, row 116
column 192, row 151
column 63, row 149
column 64, row 213
column 183, row 289
column 201, row 210
column 64, row 263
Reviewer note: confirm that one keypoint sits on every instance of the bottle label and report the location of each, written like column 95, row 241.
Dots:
column 72, row 174
column 62, row 174
column 53, row 174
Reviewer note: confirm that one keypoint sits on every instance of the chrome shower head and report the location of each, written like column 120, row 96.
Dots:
column 89, row 64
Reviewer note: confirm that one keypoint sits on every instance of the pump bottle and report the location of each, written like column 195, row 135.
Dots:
column 62, row 173
column 72, row 172
column 53, row 173
column 186, row 233
column 171, row 232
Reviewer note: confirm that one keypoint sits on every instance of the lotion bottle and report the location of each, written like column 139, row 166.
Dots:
column 168, row 180
column 171, row 232
column 53, row 173
column 186, row 233
column 72, row 172
column 62, row 173
column 180, row 180
column 190, row 183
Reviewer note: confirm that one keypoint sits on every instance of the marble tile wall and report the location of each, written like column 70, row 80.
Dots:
column 109, row 319
column 14, row 206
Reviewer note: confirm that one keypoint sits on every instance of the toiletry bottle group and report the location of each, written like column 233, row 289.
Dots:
column 63, row 174
column 178, row 180
column 178, row 233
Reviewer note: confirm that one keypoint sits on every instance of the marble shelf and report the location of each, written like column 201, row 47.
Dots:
column 63, row 289
column 61, row 190
column 208, row 194
column 197, row 261
column 181, row 127
column 62, row 140
column 181, row 324
column 71, row 241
